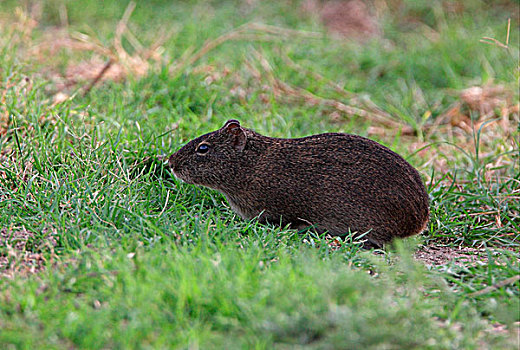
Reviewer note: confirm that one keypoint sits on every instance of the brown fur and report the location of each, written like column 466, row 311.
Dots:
column 335, row 182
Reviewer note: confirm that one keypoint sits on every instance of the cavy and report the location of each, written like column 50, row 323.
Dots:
column 333, row 182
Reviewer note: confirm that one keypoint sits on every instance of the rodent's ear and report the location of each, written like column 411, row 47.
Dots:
column 231, row 121
column 233, row 128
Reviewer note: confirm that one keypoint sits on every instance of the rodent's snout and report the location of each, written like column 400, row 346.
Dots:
column 178, row 168
column 172, row 161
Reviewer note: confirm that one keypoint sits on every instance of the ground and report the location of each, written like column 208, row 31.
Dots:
column 100, row 247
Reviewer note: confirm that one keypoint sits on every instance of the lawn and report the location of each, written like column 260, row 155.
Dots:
column 101, row 247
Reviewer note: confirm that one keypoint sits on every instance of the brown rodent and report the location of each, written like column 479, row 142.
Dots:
column 334, row 182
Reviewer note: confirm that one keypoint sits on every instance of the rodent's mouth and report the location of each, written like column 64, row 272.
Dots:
column 178, row 174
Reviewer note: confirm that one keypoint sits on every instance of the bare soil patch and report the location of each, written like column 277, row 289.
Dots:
column 462, row 256
column 16, row 259
column 346, row 19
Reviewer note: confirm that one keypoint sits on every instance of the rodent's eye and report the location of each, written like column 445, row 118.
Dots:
column 202, row 148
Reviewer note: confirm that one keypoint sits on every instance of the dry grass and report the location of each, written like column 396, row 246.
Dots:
column 480, row 125
column 115, row 63
column 490, row 103
column 262, row 72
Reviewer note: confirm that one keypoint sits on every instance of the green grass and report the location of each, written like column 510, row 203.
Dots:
column 209, row 296
column 136, row 259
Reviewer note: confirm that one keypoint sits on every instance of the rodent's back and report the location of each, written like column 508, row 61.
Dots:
column 339, row 181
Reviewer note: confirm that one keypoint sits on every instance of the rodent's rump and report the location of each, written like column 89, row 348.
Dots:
column 334, row 182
